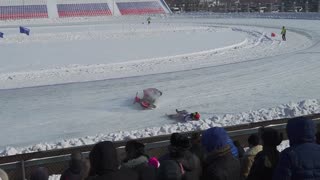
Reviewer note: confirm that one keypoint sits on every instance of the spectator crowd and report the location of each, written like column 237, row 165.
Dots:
column 211, row 155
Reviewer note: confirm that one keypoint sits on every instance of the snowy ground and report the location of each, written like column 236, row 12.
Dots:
column 72, row 82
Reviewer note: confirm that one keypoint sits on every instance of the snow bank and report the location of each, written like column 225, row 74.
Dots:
column 305, row 107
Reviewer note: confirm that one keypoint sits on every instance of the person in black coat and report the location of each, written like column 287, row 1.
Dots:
column 196, row 147
column 105, row 165
column 220, row 163
column 40, row 173
column 137, row 160
column 267, row 159
column 179, row 153
column 170, row 170
column 74, row 170
column 302, row 159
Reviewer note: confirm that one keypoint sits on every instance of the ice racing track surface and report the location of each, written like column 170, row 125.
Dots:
column 263, row 73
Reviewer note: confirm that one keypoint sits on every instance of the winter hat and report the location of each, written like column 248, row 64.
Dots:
column 254, row 140
column 215, row 138
column 3, row 175
column 154, row 162
column 41, row 173
column 134, row 149
column 301, row 130
column 173, row 138
column 103, row 157
column 180, row 141
column 271, row 137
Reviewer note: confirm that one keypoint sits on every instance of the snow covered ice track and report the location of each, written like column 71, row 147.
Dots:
column 243, row 81
column 252, row 46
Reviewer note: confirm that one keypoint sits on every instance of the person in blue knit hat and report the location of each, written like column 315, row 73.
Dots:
column 219, row 163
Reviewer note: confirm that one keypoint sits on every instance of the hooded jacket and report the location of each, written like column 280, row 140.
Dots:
column 105, row 165
column 302, row 159
column 220, row 162
column 221, row 165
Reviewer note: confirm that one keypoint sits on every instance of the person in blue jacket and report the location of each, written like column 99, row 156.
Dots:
column 302, row 159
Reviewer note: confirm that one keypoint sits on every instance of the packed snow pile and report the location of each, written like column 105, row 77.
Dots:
column 306, row 107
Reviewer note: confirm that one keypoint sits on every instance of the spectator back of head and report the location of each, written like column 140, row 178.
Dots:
column 134, row 149
column 271, row 137
column 215, row 138
column 180, row 141
column 301, row 130
column 103, row 157
column 75, row 162
column 253, row 140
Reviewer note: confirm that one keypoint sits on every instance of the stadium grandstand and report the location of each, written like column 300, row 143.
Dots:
column 30, row 9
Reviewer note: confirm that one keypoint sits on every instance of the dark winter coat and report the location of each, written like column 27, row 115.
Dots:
column 266, row 160
column 40, row 173
column 105, row 164
column 264, row 164
column 141, row 167
column 302, row 159
column 199, row 151
column 69, row 175
column 190, row 163
column 221, row 165
column 169, row 170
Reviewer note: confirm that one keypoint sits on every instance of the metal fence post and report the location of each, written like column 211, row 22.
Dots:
column 23, row 170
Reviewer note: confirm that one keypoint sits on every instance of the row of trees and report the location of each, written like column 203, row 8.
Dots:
column 247, row 5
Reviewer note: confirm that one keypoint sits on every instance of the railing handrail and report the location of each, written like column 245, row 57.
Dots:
column 149, row 141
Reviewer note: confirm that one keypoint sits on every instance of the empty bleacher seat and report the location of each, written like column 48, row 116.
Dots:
column 147, row 7
column 23, row 9
column 88, row 9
